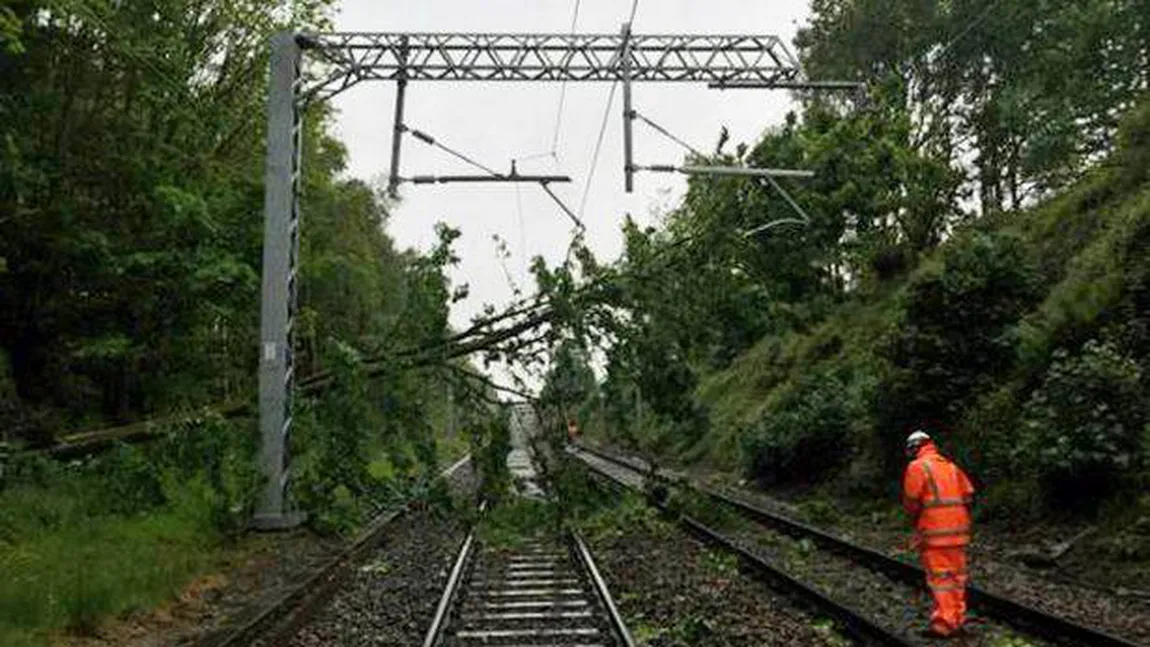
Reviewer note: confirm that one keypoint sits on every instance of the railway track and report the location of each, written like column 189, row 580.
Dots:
column 272, row 623
column 905, row 578
column 545, row 591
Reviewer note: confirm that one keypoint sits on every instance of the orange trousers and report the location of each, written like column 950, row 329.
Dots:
column 946, row 578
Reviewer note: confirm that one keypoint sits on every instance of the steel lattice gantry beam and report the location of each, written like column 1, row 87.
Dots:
column 712, row 59
column 345, row 59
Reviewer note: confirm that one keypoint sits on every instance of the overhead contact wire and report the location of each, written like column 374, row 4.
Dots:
column 598, row 148
column 563, row 92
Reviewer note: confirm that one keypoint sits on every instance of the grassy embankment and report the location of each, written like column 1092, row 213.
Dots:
column 1025, row 337
column 85, row 543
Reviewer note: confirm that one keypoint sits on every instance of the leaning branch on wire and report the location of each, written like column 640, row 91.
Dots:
column 486, row 343
column 478, row 377
column 480, row 337
column 86, row 443
column 521, row 350
column 479, row 327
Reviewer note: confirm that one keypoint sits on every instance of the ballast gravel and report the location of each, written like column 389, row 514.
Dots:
column 674, row 591
column 391, row 596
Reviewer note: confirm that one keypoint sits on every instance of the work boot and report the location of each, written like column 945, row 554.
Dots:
column 934, row 632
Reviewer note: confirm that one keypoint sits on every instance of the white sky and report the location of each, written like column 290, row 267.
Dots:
column 494, row 122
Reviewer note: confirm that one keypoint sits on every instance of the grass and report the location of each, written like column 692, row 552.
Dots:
column 81, row 546
column 73, row 576
column 628, row 514
column 517, row 520
column 745, row 391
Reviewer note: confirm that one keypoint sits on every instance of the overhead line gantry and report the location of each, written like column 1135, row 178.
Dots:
column 349, row 58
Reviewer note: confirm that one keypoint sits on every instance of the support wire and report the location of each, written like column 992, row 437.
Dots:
column 428, row 139
column 666, row 133
column 803, row 218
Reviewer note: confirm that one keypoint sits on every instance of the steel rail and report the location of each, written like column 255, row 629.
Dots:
column 855, row 624
column 450, row 592
column 601, row 590
column 293, row 608
column 1005, row 609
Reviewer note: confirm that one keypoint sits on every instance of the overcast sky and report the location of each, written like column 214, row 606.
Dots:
column 495, row 122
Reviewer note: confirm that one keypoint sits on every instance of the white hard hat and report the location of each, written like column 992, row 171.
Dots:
column 917, row 438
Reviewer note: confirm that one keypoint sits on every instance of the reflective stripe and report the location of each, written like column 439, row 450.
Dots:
column 940, row 532
column 930, row 481
column 948, row 502
column 939, row 588
column 939, row 500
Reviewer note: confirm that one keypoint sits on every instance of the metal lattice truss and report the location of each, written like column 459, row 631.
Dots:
column 716, row 59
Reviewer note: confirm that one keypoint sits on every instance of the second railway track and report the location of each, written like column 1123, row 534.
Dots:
column 630, row 473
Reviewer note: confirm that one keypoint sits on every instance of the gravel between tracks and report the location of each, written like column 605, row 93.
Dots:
column 1128, row 617
column 897, row 606
column 391, row 596
column 672, row 590
column 1125, row 617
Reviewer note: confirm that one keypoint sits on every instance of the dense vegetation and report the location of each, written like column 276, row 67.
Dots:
column 970, row 255
column 131, row 193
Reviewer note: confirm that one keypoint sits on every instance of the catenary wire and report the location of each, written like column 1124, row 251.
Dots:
column 563, row 91
column 598, row 148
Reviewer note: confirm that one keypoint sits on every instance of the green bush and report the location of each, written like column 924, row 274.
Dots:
column 955, row 336
column 209, row 459
column 808, row 430
column 491, row 443
column 1086, row 429
column 337, row 435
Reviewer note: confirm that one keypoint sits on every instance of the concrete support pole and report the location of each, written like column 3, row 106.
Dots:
column 628, row 113
column 397, row 138
column 397, row 126
column 278, row 301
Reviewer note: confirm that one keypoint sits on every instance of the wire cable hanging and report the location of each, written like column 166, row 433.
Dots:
column 803, row 219
column 603, row 128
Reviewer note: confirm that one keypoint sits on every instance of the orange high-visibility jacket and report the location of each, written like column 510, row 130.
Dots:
column 937, row 494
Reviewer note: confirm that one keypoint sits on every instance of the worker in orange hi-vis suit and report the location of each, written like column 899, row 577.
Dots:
column 937, row 496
